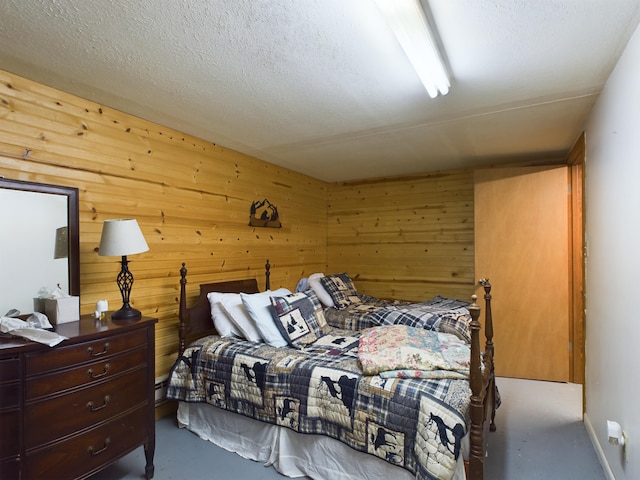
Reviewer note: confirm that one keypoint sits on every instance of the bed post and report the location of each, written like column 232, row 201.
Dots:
column 489, row 349
column 267, row 274
column 476, row 456
column 488, row 316
column 182, row 313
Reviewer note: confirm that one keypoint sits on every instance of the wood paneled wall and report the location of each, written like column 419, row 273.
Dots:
column 190, row 197
column 408, row 238
column 402, row 238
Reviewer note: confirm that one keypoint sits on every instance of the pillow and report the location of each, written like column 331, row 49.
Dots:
column 316, row 286
column 259, row 307
column 240, row 317
column 222, row 322
column 303, row 285
column 299, row 317
column 341, row 289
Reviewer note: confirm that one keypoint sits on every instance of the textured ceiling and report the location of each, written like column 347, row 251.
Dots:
column 321, row 86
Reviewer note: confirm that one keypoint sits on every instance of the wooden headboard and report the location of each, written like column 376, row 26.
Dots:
column 195, row 321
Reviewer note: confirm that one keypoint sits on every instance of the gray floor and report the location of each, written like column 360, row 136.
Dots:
column 540, row 436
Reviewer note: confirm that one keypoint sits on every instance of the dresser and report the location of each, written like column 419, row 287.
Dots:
column 68, row 411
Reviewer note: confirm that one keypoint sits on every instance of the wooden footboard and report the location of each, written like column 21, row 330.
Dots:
column 195, row 322
column 482, row 381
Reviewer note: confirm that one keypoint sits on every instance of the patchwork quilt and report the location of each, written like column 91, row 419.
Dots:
column 413, row 423
column 401, row 351
column 439, row 314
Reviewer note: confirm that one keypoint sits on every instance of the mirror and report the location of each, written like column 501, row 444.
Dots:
column 39, row 242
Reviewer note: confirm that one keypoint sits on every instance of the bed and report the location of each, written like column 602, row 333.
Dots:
column 324, row 405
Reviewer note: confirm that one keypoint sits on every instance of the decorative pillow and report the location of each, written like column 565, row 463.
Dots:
column 316, row 286
column 224, row 326
column 299, row 317
column 259, row 307
column 240, row 317
column 456, row 319
column 341, row 289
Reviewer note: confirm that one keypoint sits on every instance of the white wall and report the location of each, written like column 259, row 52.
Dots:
column 613, row 264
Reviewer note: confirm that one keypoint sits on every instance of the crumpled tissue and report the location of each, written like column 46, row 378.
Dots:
column 31, row 329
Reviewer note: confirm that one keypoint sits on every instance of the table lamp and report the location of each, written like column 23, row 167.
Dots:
column 122, row 237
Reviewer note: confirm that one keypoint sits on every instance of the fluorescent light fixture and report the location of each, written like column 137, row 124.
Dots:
column 409, row 24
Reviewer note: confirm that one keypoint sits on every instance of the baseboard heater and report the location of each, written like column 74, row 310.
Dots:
column 161, row 389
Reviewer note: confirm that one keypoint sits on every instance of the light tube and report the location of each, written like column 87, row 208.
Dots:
column 409, row 24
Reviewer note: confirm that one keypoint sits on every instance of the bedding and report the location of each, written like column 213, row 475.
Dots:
column 410, row 411
column 299, row 317
column 319, row 388
column 258, row 308
column 224, row 325
column 292, row 454
column 402, row 351
column 341, row 289
column 313, row 282
column 347, row 308
column 439, row 314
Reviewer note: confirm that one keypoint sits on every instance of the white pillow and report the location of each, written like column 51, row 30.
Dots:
column 318, row 289
column 303, row 284
column 239, row 315
column 224, row 325
column 259, row 307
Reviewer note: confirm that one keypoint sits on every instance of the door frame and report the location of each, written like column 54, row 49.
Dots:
column 575, row 162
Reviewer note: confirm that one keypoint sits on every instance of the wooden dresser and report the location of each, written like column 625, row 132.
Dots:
column 68, row 411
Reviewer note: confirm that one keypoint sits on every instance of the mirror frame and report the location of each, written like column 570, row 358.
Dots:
column 73, row 222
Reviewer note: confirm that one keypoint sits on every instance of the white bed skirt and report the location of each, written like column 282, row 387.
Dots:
column 292, row 454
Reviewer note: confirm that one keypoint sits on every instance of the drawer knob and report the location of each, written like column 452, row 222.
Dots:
column 104, row 404
column 99, row 375
column 98, row 354
column 92, row 451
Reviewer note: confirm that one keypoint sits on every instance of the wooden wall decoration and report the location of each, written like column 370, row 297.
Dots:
column 264, row 214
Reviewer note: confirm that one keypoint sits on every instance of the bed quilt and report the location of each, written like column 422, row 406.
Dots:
column 401, row 351
column 413, row 423
column 439, row 314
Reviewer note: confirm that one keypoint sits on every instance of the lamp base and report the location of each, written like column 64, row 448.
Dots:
column 126, row 314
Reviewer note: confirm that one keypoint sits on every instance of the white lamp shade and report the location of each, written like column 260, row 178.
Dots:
column 121, row 237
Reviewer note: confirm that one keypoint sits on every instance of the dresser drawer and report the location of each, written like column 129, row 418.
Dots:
column 61, row 357
column 9, row 446
column 10, row 468
column 9, row 395
column 81, row 409
column 85, row 375
column 84, row 454
column 9, row 369
column 9, row 417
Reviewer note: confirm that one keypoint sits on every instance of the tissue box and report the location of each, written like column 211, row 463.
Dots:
column 38, row 305
column 62, row 310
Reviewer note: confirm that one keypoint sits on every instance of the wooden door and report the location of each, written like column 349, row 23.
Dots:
column 522, row 246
